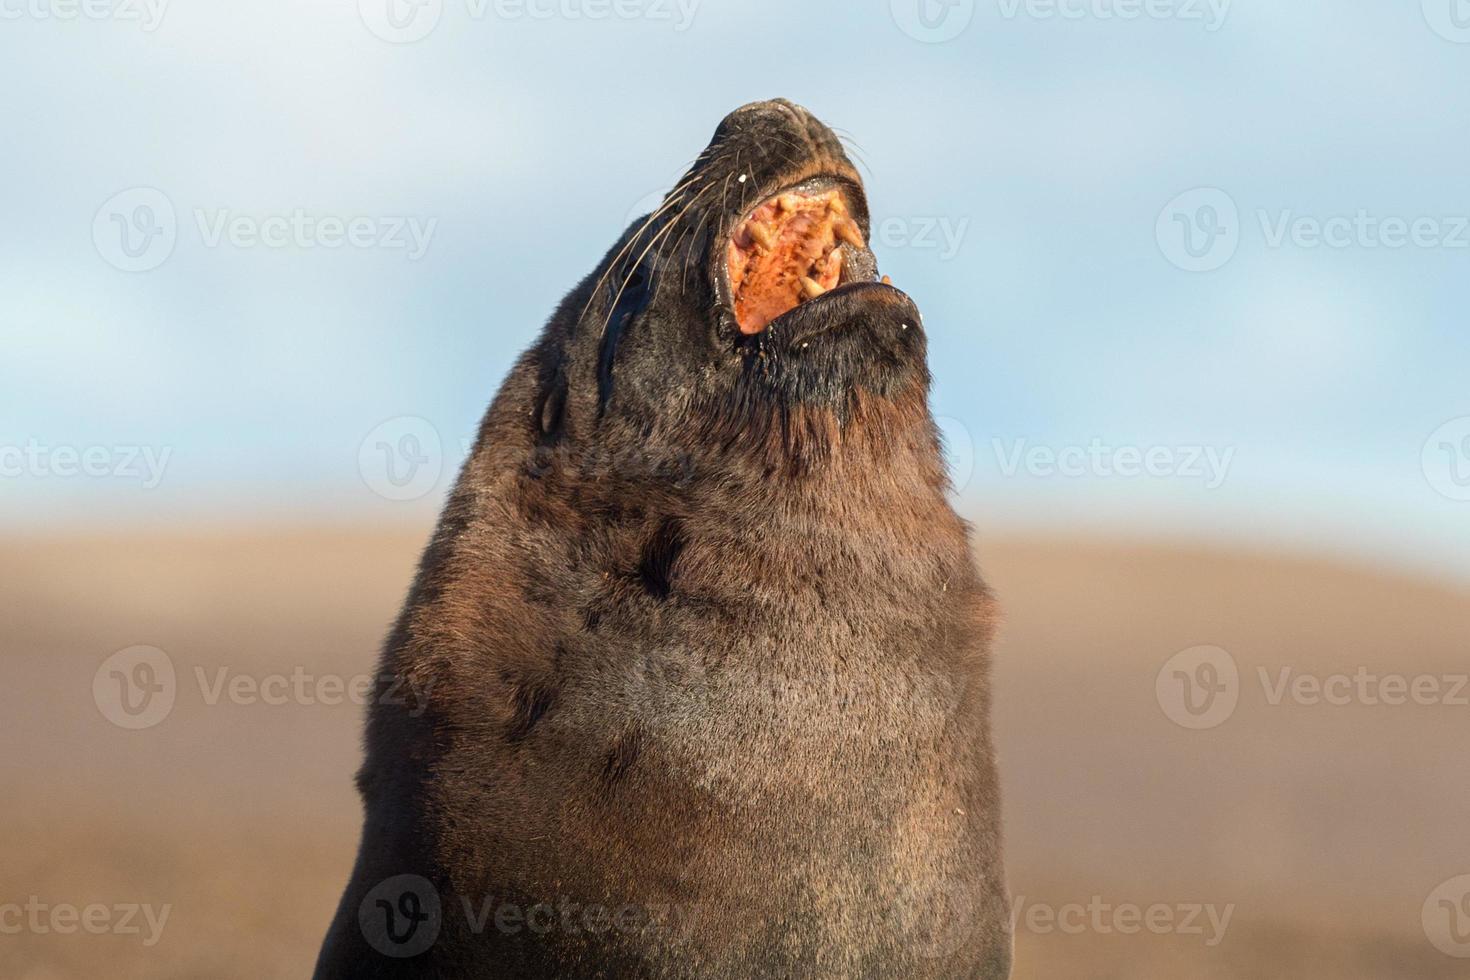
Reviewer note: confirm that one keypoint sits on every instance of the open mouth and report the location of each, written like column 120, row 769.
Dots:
column 792, row 249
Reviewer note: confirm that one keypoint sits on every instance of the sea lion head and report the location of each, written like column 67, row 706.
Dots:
column 746, row 309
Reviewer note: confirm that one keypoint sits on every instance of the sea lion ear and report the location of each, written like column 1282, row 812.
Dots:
column 548, row 414
column 553, row 403
column 627, row 296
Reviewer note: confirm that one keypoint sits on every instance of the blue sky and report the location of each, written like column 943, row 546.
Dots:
column 1031, row 173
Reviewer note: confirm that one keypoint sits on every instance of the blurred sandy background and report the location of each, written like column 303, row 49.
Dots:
column 1325, row 828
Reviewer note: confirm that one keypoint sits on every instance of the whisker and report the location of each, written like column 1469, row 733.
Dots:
column 688, row 259
column 725, row 194
column 670, row 200
column 628, row 277
column 853, row 147
column 674, row 222
column 790, row 144
column 677, row 219
column 633, row 268
column 684, row 271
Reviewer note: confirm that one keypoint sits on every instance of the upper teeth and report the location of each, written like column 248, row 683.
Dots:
column 761, row 234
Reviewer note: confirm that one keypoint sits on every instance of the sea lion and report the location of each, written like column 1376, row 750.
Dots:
column 692, row 680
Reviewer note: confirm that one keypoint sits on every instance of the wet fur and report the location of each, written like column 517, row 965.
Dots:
column 698, row 635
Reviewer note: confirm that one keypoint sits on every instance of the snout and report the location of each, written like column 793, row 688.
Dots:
column 782, row 125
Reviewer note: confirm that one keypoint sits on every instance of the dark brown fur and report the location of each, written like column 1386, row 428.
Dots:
column 698, row 642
